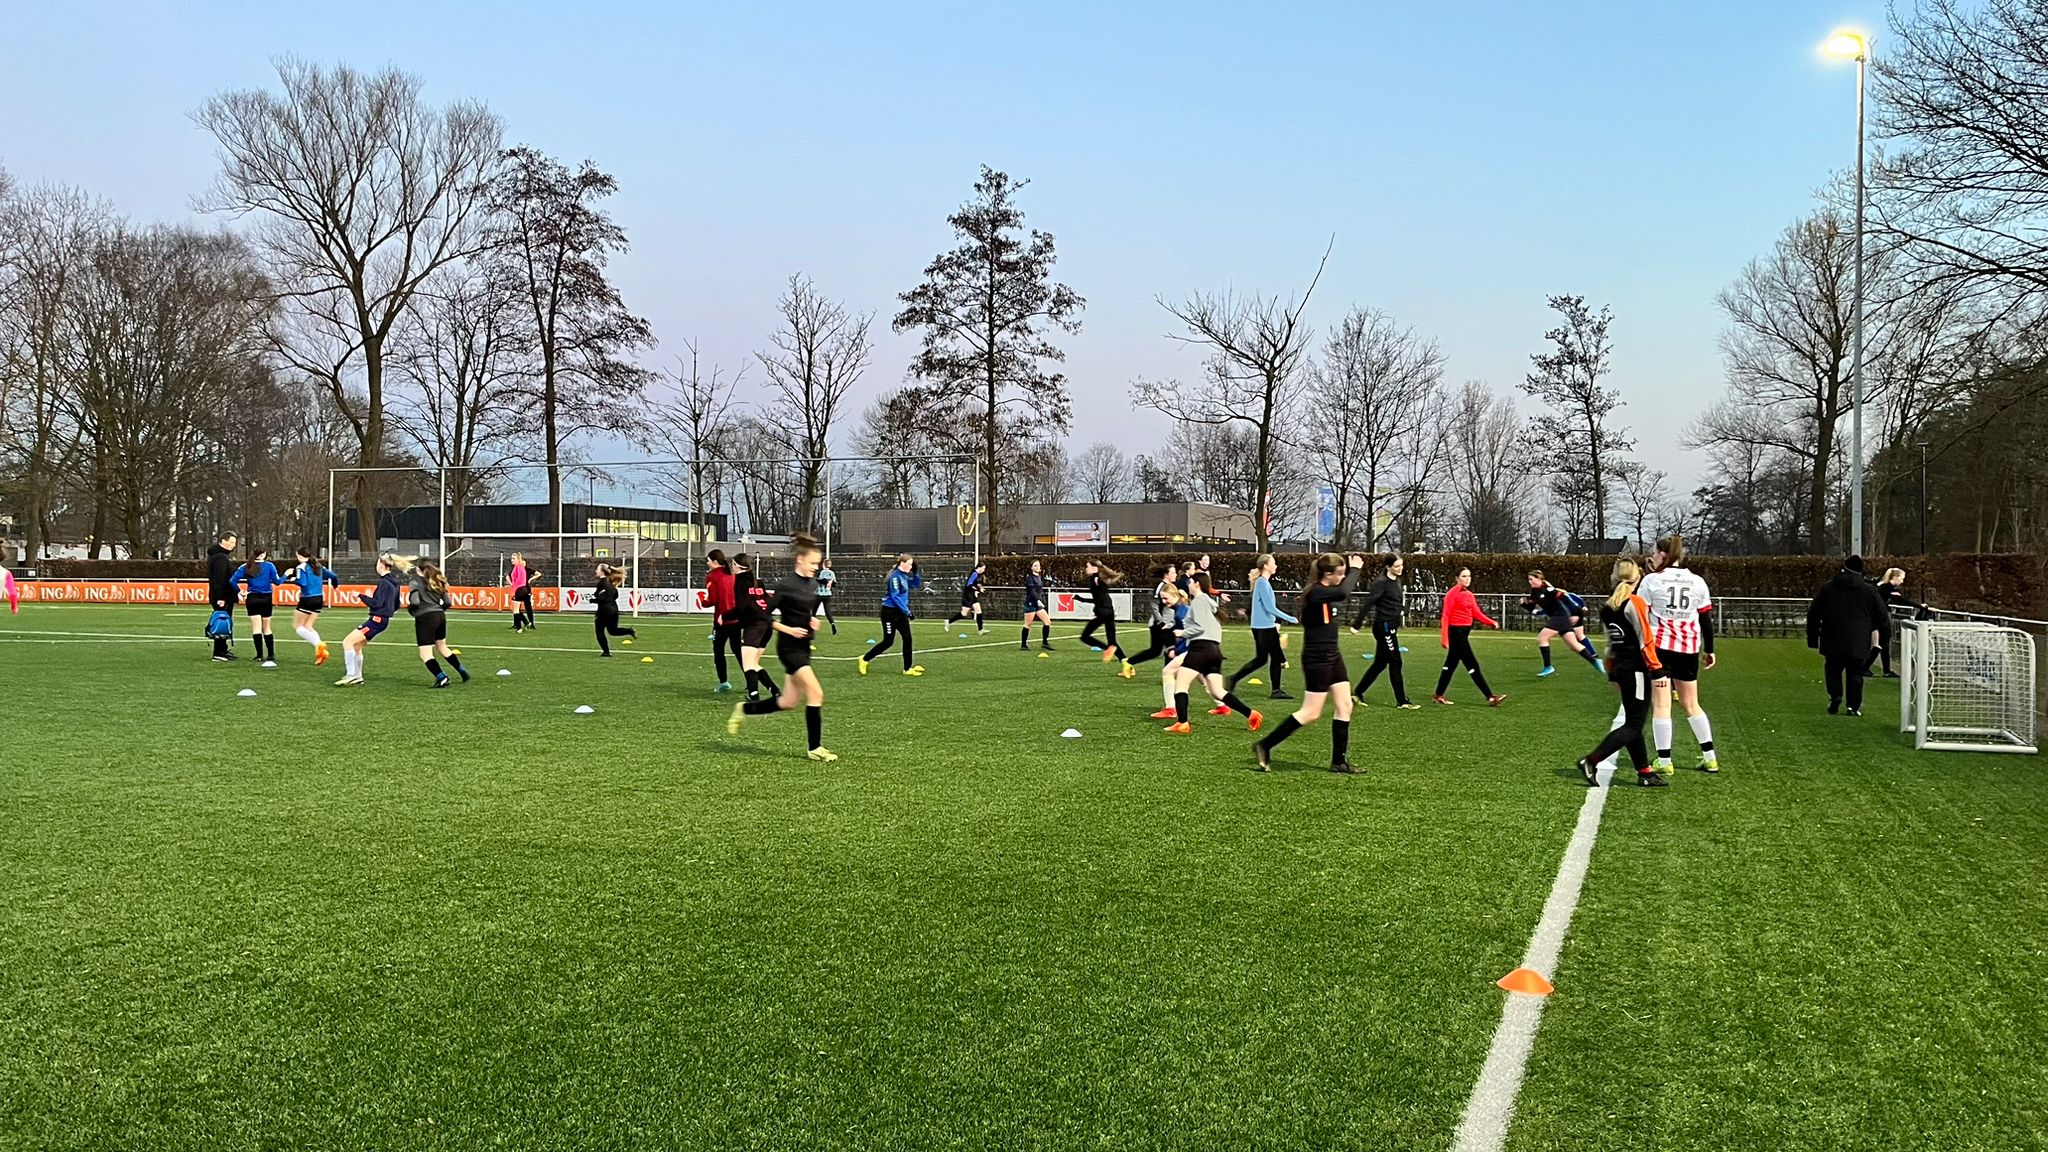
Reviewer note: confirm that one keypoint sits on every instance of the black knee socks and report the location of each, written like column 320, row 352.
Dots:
column 814, row 725
column 1286, row 728
column 1231, row 702
column 1044, row 634
column 1545, row 649
column 1587, row 654
column 1340, row 739
column 434, row 666
column 1180, row 707
column 1024, row 638
column 766, row 707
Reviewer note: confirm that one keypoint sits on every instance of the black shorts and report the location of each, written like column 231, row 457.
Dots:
column 312, row 605
column 756, row 635
column 259, row 605
column 793, row 653
column 967, row 602
column 1559, row 624
column 1320, row 674
column 430, row 629
column 1204, row 657
column 1683, row 666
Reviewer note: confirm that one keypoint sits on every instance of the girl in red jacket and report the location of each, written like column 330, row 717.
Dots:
column 1461, row 612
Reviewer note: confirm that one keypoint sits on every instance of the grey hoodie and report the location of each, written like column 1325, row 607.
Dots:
column 1201, row 622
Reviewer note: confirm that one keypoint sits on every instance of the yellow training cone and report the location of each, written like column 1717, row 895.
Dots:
column 1526, row 980
column 647, row 659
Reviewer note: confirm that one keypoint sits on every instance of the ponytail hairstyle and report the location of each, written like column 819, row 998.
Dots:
column 1320, row 567
column 803, row 542
column 1895, row 575
column 1535, row 573
column 430, row 573
column 1108, row 573
column 396, row 563
column 741, row 560
column 617, row 576
column 519, row 559
column 716, row 556
column 1625, row 575
column 1388, row 561
column 1204, row 582
column 1673, row 548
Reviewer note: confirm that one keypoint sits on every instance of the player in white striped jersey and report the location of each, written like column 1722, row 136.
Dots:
column 1682, row 626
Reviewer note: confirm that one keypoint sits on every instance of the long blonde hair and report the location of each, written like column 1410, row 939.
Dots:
column 399, row 564
column 1625, row 575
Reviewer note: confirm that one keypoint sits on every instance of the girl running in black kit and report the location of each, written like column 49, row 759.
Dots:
column 426, row 599
column 755, row 616
column 796, row 606
column 1383, row 603
column 1331, row 579
column 606, row 597
column 1099, row 580
column 970, row 599
column 1160, row 623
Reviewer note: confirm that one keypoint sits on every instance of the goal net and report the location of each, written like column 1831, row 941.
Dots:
column 1967, row 686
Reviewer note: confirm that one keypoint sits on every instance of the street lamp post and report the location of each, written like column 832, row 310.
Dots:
column 1855, row 46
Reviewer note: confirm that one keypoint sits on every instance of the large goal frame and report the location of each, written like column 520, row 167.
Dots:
column 1923, row 644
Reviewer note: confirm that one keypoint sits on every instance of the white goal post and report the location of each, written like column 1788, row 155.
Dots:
column 1967, row 686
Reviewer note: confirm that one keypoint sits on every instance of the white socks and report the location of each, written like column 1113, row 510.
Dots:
column 1661, row 726
column 1166, row 690
column 352, row 659
column 1701, row 730
column 307, row 634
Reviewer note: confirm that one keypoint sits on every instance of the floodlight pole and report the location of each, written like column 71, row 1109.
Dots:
column 1856, row 352
column 329, row 558
column 441, row 519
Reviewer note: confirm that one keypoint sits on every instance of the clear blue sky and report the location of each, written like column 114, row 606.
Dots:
column 1469, row 158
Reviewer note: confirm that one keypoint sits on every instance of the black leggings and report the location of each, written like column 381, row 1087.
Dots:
column 724, row 636
column 894, row 620
column 1270, row 653
column 1461, row 653
column 608, row 623
column 1635, row 705
column 1161, row 640
column 1386, row 657
column 825, row 607
column 1108, row 625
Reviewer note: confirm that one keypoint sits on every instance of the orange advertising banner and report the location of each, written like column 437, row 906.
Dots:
column 182, row 593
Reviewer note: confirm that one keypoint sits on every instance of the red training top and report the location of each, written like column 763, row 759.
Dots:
column 718, row 582
column 1461, row 610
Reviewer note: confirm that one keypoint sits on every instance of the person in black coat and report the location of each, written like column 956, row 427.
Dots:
column 1840, row 621
column 220, row 586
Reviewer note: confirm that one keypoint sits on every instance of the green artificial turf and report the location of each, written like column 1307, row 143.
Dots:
column 388, row 917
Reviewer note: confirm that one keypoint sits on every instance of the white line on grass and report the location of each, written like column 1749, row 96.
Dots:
column 1491, row 1107
column 32, row 635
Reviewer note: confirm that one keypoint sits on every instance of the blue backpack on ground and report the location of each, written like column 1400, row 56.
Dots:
column 220, row 625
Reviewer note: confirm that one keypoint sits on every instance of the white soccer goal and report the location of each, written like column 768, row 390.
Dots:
column 1966, row 687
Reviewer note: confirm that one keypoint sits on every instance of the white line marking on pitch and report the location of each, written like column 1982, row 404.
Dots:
column 1491, row 1107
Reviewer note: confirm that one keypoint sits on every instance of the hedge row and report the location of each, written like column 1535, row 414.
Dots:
column 2015, row 584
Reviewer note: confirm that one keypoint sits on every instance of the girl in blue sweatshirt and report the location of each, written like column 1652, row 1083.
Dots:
column 258, row 578
column 903, row 580
column 1266, row 620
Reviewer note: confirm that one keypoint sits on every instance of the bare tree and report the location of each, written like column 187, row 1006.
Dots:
column 361, row 193
column 1573, row 432
column 470, row 405
column 1959, row 92
column 1645, row 496
column 1490, row 488
column 1257, row 349
column 695, row 423
column 1372, row 439
column 1103, row 473
column 819, row 354
column 1791, row 317
column 550, row 244
column 47, row 236
column 986, row 310
column 895, row 431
